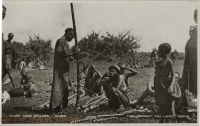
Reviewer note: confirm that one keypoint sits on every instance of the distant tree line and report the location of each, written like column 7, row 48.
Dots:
column 35, row 48
column 94, row 46
column 106, row 47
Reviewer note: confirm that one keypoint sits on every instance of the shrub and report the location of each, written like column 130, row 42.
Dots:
column 106, row 47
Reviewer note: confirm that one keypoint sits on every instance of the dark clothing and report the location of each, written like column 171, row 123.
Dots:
column 92, row 84
column 190, row 66
column 59, row 93
column 162, row 81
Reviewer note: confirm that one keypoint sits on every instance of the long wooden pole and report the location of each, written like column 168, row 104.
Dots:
column 77, row 58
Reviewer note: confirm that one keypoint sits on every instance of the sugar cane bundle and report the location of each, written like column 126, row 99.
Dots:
column 87, row 118
column 111, row 115
column 132, row 111
column 105, row 100
column 73, row 101
column 185, row 117
column 95, row 105
column 72, row 96
column 98, row 100
column 93, row 100
column 103, row 119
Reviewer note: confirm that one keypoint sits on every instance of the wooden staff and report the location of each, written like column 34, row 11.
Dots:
column 77, row 57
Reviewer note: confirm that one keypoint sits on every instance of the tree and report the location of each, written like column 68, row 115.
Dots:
column 35, row 48
column 108, row 46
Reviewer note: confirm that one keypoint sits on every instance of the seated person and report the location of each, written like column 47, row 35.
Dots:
column 84, row 71
column 181, row 102
column 92, row 81
column 115, row 89
column 22, row 63
column 27, row 87
column 125, row 75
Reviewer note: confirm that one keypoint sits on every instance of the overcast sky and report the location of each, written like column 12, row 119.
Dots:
column 154, row 22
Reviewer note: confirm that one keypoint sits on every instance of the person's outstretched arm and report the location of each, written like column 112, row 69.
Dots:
column 133, row 72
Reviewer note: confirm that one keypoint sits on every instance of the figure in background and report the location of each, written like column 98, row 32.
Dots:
column 190, row 64
column 22, row 63
column 27, row 87
column 8, row 58
column 92, row 80
column 153, row 55
column 84, row 71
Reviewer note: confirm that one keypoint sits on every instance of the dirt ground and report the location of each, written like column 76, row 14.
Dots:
column 22, row 106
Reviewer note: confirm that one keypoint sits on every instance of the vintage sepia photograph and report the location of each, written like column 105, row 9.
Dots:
column 99, row 62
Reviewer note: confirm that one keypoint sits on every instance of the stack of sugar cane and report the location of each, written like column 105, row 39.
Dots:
column 72, row 98
column 82, row 82
column 93, row 103
column 183, row 117
column 101, row 118
column 140, row 110
column 87, row 118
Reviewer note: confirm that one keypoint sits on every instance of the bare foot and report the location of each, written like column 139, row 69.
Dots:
column 121, row 109
column 149, row 88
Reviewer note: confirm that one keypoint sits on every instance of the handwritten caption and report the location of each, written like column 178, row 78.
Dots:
column 37, row 118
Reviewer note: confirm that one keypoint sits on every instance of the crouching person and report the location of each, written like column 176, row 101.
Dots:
column 116, row 90
column 27, row 87
column 92, row 80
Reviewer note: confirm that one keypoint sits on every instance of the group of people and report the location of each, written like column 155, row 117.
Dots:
column 169, row 92
column 27, row 87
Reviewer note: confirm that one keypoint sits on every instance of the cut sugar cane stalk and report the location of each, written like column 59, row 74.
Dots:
column 95, row 106
column 184, row 117
column 93, row 101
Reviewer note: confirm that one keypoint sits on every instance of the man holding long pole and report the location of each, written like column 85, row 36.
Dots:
column 60, row 92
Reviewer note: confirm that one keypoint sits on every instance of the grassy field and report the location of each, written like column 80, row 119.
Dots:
column 22, row 106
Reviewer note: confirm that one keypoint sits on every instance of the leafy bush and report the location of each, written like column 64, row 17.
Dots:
column 35, row 48
column 106, row 47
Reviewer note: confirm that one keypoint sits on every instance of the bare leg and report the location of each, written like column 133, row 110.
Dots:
column 11, row 79
column 147, row 92
column 173, row 108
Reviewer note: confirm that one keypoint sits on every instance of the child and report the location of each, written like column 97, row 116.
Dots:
column 27, row 83
column 166, row 90
column 27, row 87
column 22, row 63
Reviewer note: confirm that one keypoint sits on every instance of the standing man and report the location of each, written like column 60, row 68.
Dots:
column 8, row 58
column 60, row 92
column 3, row 42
